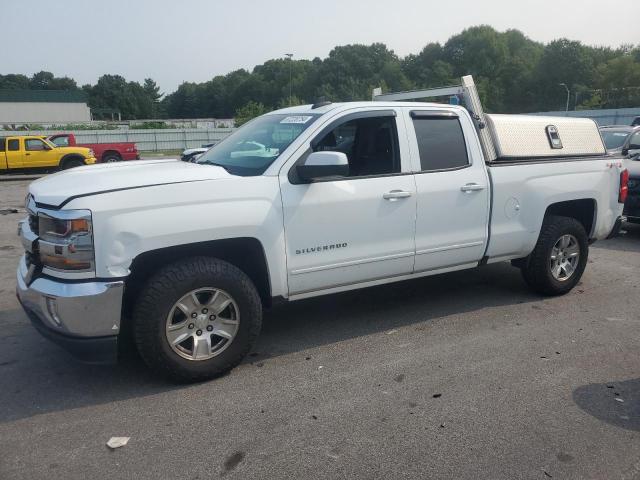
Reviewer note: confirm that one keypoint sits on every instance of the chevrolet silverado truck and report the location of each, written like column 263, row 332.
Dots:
column 185, row 256
column 21, row 153
column 104, row 152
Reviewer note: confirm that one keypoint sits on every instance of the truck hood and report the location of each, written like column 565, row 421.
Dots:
column 59, row 188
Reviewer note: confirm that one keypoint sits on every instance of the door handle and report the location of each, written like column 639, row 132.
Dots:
column 394, row 195
column 471, row 187
column 27, row 154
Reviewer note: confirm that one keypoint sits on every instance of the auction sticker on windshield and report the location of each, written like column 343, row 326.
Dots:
column 297, row 119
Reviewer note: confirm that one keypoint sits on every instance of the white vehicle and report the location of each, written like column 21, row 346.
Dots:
column 185, row 256
column 192, row 154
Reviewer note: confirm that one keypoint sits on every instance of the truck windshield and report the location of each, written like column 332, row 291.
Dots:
column 252, row 148
column 614, row 138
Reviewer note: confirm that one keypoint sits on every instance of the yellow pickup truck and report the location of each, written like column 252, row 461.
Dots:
column 27, row 152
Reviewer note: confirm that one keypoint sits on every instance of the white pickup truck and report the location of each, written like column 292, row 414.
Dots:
column 343, row 196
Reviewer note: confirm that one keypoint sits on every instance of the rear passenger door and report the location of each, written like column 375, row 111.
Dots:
column 452, row 189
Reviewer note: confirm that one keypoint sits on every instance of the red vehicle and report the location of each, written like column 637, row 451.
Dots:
column 104, row 152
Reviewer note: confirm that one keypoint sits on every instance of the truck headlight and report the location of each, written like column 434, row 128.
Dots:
column 66, row 240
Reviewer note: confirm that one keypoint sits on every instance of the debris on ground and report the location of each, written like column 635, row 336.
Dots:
column 117, row 442
column 8, row 211
column 436, row 395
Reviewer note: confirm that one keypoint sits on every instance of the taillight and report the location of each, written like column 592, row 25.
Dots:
column 624, row 186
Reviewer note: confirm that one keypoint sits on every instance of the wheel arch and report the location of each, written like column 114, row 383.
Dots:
column 246, row 253
column 68, row 157
column 584, row 210
column 106, row 153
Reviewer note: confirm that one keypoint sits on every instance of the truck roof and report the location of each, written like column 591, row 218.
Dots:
column 308, row 109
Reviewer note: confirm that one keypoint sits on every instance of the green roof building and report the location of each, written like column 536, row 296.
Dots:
column 43, row 107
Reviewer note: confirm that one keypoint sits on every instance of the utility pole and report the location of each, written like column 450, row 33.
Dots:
column 290, row 55
column 568, row 95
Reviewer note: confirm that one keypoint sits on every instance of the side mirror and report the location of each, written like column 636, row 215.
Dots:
column 322, row 165
column 625, row 151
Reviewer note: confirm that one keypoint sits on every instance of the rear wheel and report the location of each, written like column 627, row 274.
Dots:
column 111, row 157
column 558, row 261
column 196, row 319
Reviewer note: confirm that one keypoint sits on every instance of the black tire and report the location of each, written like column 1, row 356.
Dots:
column 536, row 269
column 71, row 163
column 111, row 157
column 165, row 288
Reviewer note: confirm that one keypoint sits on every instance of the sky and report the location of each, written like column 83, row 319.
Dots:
column 194, row 40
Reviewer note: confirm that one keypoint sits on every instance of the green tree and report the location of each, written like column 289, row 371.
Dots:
column 152, row 91
column 129, row 98
column 563, row 61
column 47, row 81
column 248, row 112
column 14, row 82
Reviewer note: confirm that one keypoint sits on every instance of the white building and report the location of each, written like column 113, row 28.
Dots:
column 43, row 107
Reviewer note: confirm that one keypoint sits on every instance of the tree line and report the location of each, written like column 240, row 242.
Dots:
column 514, row 74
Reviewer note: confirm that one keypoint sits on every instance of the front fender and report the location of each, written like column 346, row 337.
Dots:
column 131, row 222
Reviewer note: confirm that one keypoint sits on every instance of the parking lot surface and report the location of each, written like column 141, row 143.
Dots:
column 464, row 375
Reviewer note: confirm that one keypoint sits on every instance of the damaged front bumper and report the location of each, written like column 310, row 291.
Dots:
column 82, row 317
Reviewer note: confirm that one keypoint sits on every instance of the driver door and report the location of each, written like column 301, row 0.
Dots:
column 355, row 229
column 37, row 153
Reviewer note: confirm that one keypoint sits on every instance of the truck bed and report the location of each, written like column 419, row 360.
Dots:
column 521, row 189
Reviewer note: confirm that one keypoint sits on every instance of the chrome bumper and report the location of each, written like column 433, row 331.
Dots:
column 81, row 310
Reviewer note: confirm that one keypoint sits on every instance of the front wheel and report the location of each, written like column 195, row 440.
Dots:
column 72, row 163
column 196, row 319
column 558, row 261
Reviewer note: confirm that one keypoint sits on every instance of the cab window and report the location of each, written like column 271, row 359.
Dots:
column 2, row 144
column 441, row 142
column 60, row 141
column 13, row 145
column 370, row 144
column 34, row 145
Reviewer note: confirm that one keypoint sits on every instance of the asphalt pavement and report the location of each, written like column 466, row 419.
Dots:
column 465, row 375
